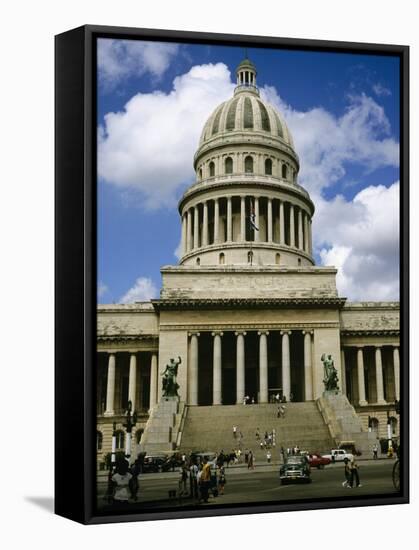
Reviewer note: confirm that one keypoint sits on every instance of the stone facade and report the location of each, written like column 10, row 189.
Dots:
column 246, row 309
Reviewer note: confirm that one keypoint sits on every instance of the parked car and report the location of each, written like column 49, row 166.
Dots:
column 318, row 461
column 296, row 468
column 338, row 455
column 155, row 463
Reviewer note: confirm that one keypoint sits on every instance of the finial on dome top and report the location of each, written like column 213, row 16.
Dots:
column 246, row 75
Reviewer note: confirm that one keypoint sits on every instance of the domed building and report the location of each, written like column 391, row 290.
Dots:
column 246, row 313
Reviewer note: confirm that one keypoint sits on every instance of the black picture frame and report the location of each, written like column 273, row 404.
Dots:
column 75, row 268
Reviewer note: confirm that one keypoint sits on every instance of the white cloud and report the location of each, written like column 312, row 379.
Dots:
column 102, row 289
column 361, row 239
column 380, row 90
column 142, row 291
column 149, row 146
column 326, row 143
column 119, row 59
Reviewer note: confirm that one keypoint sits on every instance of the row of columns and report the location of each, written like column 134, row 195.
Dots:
column 297, row 218
column 240, row 366
column 132, row 382
column 378, row 374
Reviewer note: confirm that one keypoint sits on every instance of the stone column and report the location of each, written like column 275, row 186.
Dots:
column 257, row 238
column 310, row 241
column 281, row 223
column 286, row 366
column 242, row 219
column 216, row 221
column 153, row 380
column 263, row 366
column 196, row 227
column 110, row 387
column 193, row 369
column 308, row 375
column 184, row 229
column 240, row 366
column 205, row 225
column 379, row 376
column 216, row 370
column 189, row 232
column 306, row 247
column 292, row 226
column 343, row 371
column 229, row 220
column 132, row 382
column 300, row 229
column 361, row 377
column 270, row 226
column 396, row 366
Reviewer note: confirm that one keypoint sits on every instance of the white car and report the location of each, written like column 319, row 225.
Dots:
column 338, row 455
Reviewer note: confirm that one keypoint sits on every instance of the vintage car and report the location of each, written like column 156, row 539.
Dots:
column 317, row 461
column 339, row 455
column 296, row 468
column 155, row 463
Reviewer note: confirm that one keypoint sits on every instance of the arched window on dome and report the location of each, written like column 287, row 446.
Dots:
column 248, row 165
column 211, row 169
column 222, row 258
column 268, row 167
column 299, row 261
column 198, row 261
column 228, row 165
column 284, row 171
column 200, row 173
column 278, row 258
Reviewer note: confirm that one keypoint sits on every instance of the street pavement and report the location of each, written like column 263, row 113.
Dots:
column 262, row 485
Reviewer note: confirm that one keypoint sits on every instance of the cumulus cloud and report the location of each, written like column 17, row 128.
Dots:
column 149, row 146
column 119, row 59
column 361, row 239
column 142, row 291
column 326, row 144
column 102, row 289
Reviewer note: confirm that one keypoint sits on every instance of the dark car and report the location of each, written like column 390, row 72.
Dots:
column 296, row 468
column 154, row 464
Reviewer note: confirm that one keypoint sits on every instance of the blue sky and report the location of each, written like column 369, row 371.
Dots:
column 342, row 109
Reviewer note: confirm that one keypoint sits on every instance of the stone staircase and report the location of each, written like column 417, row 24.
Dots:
column 211, row 428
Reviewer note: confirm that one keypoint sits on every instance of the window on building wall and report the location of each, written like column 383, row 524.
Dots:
column 278, row 258
column 374, row 424
column 229, row 165
column 393, row 424
column 268, row 167
column 198, row 261
column 248, row 164
column 120, row 440
column 284, row 171
column 200, row 173
column 222, row 258
column 299, row 261
column 249, row 257
column 99, row 440
column 212, row 169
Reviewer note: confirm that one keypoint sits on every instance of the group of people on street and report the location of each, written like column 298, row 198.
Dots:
column 351, row 473
column 123, row 482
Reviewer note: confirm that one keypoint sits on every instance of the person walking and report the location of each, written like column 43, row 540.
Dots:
column 246, row 456
column 268, row 457
column 257, row 434
column 234, row 432
column 121, row 479
column 193, row 480
column 183, row 480
column 375, row 451
column 347, row 472
column 205, row 480
column 354, row 473
column 250, row 464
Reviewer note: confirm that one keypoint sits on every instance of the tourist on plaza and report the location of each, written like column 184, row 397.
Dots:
column 221, row 481
column 121, row 479
column 277, row 397
column 205, row 480
column 193, row 480
column 375, row 451
column 183, row 480
column 246, row 456
column 250, row 463
column 261, row 444
column 354, row 473
column 253, row 400
column 257, row 434
column 135, row 471
column 283, row 454
column 347, row 472
column 268, row 457
column 234, row 432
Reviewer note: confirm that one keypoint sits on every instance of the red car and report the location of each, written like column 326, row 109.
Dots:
column 317, row 461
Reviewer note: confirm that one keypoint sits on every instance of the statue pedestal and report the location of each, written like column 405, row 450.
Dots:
column 328, row 393
column 160, row 434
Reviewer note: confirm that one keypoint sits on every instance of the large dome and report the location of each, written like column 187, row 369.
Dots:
column 246, row 112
